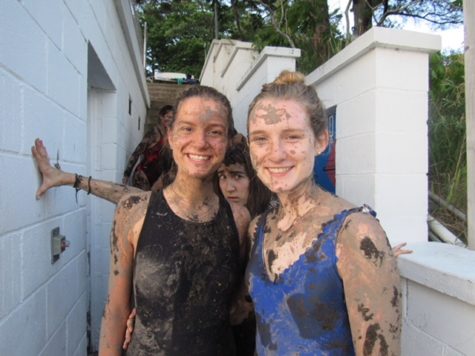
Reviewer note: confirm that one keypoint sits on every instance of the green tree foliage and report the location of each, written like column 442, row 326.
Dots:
column 308, row 25
column 179, row 31
column 177, row 34
column 316, row 33
column 447, row 135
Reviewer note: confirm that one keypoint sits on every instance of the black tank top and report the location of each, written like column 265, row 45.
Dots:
column 185, row 277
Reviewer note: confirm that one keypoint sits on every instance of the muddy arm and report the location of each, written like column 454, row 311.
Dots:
column 242, row 218
column 128, row 222
column 371, row 282
column 54, row 177
column 242, row 304
column 109, row 191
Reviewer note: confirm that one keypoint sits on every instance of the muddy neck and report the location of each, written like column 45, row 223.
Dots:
column 193, row 190
column 300, row 200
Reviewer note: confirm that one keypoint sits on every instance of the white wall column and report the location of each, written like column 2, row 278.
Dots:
column 380, row 84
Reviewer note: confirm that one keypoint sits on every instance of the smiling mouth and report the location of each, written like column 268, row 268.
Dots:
column 278, row 170
column 198, row 158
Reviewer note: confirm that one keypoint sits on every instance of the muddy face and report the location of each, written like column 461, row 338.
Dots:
column 198, row 137
column 234, row 183
column 282, row 144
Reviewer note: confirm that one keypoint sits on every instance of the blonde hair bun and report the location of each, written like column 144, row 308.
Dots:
column 288, row 77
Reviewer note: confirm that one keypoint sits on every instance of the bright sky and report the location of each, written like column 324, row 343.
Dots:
column 452, row 39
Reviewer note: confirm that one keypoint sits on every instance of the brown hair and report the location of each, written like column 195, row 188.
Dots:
column 202, row 91
column 165, row 110
column 291, row 85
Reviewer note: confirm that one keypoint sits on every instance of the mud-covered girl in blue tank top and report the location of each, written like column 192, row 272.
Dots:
column 322, row 276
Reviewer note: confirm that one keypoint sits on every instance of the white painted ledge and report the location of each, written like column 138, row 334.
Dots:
column 377, row 37
column 239, row 46
column 446, row 268
column 267, row 52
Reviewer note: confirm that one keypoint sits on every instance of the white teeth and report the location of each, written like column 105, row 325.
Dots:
column 198, row 158
column 279, row 170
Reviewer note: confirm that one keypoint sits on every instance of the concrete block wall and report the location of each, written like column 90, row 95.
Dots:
column 233, row 70
column 438, row 286
column 265, row 68
column 380, row 86
column 218, row 56
column 44, row 89
column 226, row 63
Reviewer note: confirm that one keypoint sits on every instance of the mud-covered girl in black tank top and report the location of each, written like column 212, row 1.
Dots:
column 178, row 250
column 184, row 280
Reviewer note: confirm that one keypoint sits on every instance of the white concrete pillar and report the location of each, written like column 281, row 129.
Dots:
column 380, row 84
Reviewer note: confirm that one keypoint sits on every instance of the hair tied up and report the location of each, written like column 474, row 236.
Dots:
column 287, row 77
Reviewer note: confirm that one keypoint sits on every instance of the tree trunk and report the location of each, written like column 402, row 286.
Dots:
column 216, row 27
column 469, row 14
column 362, row 17
column 321, row 40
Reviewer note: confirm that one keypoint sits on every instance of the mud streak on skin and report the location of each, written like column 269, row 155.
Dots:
column 273, row 115
column 130, row 202
column 114, row 238
column 371, row 252
column 395, row 298
column 372, row 336
column 364, row 311
column 271, row 256
column 209, row 114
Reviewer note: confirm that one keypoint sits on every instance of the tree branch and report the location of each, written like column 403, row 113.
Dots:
column 277, row 24
column 347, row 20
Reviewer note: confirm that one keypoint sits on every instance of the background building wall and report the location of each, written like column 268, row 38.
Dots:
column 438, row 287
column 379, row 84
column 46, row 85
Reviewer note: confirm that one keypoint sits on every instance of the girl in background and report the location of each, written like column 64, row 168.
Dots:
column 152, row 157
column 238, row 181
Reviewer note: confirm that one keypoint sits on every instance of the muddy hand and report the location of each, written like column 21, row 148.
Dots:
column 130, row 329
column 398, row 250
column 51, row 176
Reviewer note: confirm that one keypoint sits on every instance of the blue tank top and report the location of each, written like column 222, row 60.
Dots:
column 303, row 311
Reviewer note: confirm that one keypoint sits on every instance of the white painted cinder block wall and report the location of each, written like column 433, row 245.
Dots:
column 438, row 287
column 380, row 86
column 45, row 92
